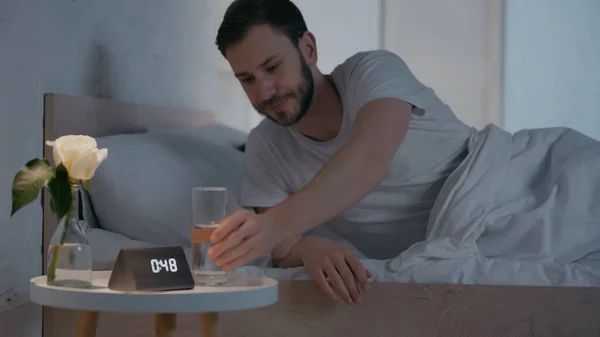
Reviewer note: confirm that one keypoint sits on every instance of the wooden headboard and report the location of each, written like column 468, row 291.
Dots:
column 95, row 117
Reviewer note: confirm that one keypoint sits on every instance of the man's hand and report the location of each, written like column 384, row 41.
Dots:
column 241, row 238
column 335, row 267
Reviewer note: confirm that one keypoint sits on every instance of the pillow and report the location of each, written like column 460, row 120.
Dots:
column 217, row 133
column 144, row 188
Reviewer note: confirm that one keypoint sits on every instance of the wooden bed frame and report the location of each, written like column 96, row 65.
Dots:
column 389, row 309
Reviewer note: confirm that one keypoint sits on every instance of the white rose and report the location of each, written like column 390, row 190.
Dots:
column 78, row 154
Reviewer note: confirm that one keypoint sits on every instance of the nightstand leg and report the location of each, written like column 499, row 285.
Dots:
column 165, row 325
column 208, row 320
column 87, row 323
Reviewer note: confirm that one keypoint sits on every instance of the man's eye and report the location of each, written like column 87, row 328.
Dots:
column 272, row 68
column 246, row 80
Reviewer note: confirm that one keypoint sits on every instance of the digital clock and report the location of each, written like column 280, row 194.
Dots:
column 169, row 265
column 156, row 268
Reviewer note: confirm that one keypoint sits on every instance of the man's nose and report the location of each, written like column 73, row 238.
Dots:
column 266, row 90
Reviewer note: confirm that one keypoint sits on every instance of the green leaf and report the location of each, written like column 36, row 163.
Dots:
column 60, row 192
column 28, row 182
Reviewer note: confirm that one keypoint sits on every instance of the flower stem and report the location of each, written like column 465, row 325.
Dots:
column 52, row 268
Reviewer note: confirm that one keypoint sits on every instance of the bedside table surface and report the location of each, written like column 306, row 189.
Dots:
column 240, row 293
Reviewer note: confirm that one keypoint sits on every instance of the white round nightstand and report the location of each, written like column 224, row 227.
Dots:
column 240, row 293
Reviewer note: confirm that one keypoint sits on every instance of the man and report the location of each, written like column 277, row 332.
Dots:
column 364, row 150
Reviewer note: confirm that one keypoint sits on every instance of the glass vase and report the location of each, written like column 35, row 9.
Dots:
column 70, row 255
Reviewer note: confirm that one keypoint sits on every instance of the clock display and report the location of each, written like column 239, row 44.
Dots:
column 168, row 265
column 151, row 269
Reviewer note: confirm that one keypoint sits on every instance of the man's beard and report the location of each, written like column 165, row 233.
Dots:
column 302, row 94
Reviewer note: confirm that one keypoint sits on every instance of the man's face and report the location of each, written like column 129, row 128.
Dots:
column 274, row 75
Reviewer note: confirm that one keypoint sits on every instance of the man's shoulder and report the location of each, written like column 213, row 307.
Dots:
column 373, row 53
column 367, row 56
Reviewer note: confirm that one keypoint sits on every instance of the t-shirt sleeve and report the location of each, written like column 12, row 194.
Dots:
column 383, row 74
column 261, row 186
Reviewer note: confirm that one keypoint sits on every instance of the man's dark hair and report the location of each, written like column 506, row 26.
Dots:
column 242, row 15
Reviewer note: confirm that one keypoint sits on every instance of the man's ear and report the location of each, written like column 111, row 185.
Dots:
column 308, row 46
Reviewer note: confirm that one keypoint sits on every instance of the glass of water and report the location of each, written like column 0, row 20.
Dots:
column 209, row 208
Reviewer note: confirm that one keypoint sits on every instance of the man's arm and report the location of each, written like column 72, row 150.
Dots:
column 281, row 254
column 349, row 175
column 381, row 84
column 356, row 169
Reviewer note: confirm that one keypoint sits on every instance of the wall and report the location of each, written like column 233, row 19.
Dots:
column 454, row 47
column 552, row 65
column 150, row 51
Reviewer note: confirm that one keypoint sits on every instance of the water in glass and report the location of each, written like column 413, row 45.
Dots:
column 72, row 269
column 208, row 210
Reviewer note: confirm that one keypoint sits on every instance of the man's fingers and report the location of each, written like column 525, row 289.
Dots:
column 336, row 281
column 234, row 253
column 242, row 260
column 229, row 224
column 248, row 230
column 361, row 274
column 348, row 278
column 215, row 252
column 324, row 284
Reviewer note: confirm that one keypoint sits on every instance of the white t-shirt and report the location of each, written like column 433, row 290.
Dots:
column 279, row 160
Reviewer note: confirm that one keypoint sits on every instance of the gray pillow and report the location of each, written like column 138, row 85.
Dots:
column 143, row 189
column 217, row 133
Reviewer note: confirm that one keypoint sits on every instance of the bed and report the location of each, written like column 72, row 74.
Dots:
column 390, row 308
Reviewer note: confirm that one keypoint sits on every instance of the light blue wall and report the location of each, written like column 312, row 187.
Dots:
column 151, row 51
column 552, row 65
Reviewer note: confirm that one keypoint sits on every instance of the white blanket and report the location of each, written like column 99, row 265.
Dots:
column 522, row 209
